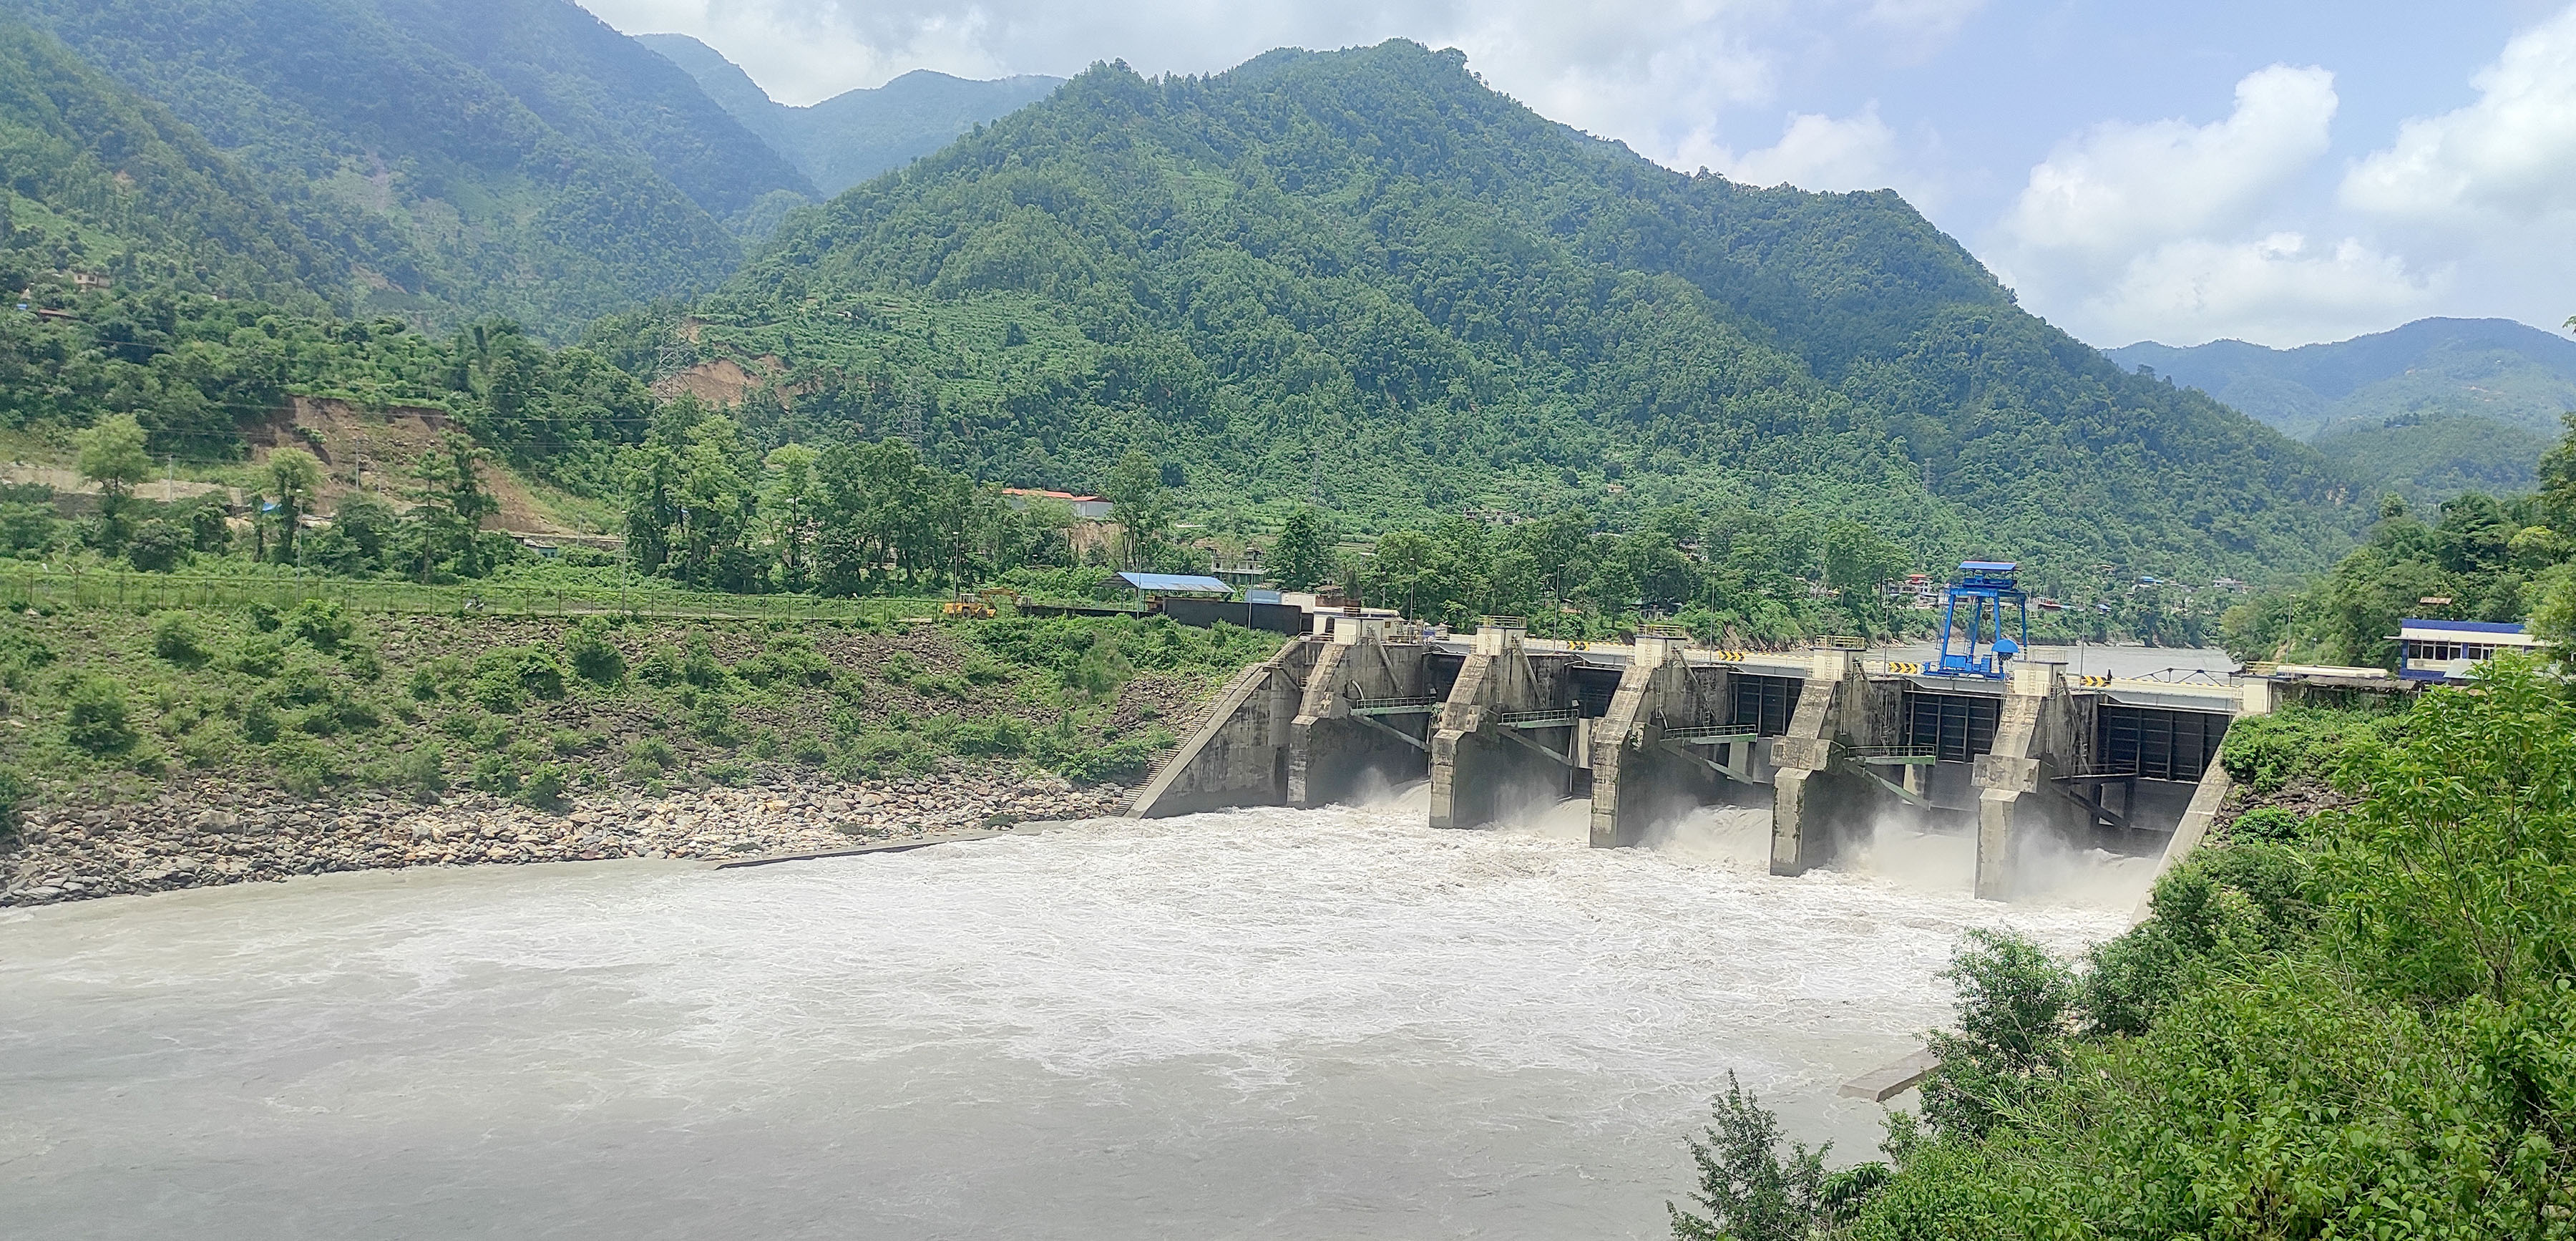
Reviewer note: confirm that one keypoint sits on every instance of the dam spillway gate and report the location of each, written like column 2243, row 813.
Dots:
column 1499, row 723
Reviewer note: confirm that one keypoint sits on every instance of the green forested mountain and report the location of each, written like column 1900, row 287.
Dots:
column 2433, row 408
column 856, row 134
column 481, row 156
column 95, row 180
column 1365, row 278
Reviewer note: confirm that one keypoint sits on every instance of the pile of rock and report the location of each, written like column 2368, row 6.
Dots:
column 211, row 833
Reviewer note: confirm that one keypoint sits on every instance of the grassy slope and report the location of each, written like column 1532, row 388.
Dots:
column 105, row 703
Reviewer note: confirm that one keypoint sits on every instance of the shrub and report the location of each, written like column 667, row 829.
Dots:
column 259, row 721
column 422, row 770
column 157, row 546
column 593, row 657
column 361, row 663
column 12, row 790
column 304, row 768
column 700, row 667
column 809, row 750
column 2267, row 752
column 1001, row 735
column 97, row 718
column 431, row 679
column 496, row 690
column 660, row 668
column 647, row 759
column 544, row 787
column 259, row 657
column 28, row 528
column 729, row 773
column 496, row 774
column 322, row 624
column 176, row 639
column 2277, row 824
column 263, row 616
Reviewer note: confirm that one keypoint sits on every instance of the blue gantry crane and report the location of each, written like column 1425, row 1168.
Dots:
column 1985, row 587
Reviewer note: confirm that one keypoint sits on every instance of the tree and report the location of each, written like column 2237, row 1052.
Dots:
column 788, row 510
column 2013, row 1012
column 1751, row 1193
column 453, row 504
column 1141, row 506
column 111, row 455
column 1302, row 559
column 294, row 483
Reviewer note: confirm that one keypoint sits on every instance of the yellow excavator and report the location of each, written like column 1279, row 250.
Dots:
column 984, row 604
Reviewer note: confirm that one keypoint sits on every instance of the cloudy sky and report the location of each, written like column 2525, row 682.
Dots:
column 2280, row 171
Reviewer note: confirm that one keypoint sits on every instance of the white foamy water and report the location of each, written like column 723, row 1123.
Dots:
column 1272, row 1023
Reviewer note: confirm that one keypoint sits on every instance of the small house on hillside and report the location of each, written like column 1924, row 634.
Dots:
column 1088, row 508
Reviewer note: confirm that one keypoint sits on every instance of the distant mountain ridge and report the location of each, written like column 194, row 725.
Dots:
column 856, row 134
column 1365, row 277
column 464, row 157
column 2434, row 407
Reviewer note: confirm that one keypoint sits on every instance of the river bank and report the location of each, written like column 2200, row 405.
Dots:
column 209, row 832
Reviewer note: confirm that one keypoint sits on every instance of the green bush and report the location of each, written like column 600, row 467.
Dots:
column 361, row 663
column 544, row 787
column 2275, row 824
column 304, row 768
column 176, row 639
column 496, row 774
column 2266, row 753
column 422, row 771
column 647, row 759
column 13, row 790
column 259, row 656
column 157, row 546
column 260, row 721
column 593, row 657
column 96, row 719
column 728, row 772
column 321, row 623
column 263, row 616
column 1001, row 735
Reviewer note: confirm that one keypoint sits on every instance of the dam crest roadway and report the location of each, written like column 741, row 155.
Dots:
column 1834, row 744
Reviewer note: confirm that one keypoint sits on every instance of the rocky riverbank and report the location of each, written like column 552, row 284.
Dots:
column 208, row 833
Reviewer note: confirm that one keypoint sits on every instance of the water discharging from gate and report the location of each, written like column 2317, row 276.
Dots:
column 1298, row 1023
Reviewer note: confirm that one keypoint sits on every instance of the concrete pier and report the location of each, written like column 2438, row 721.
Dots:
column 1364, row 717
column 1241, row 757
column 2022, row 781
column 1668, row 745
column 1511, row 733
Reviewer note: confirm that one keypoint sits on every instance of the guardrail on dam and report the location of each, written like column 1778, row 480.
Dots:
column 1834, row 744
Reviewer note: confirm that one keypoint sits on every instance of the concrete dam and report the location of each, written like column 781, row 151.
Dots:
column 1833, row 743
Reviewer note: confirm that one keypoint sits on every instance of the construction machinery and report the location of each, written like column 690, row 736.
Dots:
column 1985, row 588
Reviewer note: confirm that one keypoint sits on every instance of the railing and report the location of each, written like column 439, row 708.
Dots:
column 1395, row 706
column 1562, row 717
column 56, row 590
column 1712, row 733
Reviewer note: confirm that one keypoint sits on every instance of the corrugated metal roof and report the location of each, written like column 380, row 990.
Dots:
column 2460, row 626
column 1176, row 583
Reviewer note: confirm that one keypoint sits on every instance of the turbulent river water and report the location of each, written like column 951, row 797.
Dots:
column 1264, row 1023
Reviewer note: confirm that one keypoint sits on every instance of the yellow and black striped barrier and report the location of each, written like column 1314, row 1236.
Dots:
column 1730, row 657
column 1906, row 669
column 2093, row 682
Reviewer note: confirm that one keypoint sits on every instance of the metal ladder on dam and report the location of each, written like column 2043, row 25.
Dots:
column 1655, row 729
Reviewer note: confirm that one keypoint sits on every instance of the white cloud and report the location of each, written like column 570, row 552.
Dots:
column 1661, row 75
column 1815, row 152
column 2276, row 290
column 2511, row 154
column 2172, row 231
column 2119, row 187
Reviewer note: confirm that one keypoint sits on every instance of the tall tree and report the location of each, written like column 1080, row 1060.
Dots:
column 294, row 484
column 111, row 455
column 453, row 505
column 1302, row 559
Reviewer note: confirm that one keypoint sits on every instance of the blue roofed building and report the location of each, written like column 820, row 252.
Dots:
column 2445, row 651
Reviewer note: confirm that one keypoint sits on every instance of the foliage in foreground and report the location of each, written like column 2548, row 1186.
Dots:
column 2362, row 1026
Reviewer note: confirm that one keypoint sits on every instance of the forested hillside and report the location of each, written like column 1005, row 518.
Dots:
column 509, row 157
column 103, row 183
column 1366, row 279
column 2431, row 409
column 856, row 134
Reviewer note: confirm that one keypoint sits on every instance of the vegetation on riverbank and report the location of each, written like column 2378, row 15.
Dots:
column 102, row 704
column 2354, row 1022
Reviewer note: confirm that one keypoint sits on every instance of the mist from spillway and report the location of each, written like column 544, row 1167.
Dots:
column 1286, row 1023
